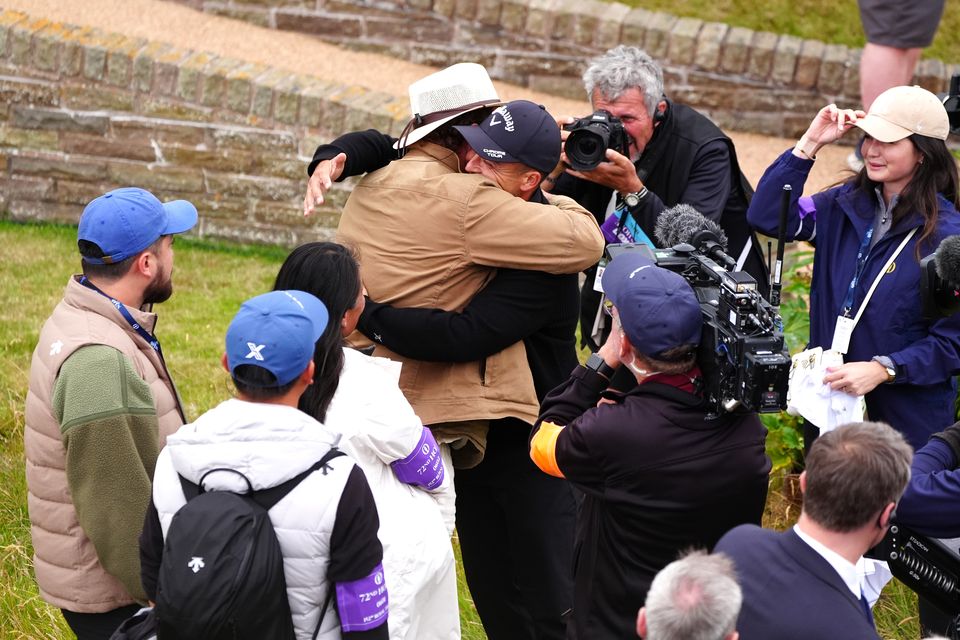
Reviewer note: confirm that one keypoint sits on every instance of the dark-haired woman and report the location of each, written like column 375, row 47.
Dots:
column 358, row 396
column 884, row 219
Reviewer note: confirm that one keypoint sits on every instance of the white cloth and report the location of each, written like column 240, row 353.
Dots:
column 269, row 444
column 379, row 426
column 809, row 397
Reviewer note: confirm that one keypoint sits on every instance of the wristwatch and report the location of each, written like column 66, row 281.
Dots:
column 887, row 364
column 597, row 364
column 633, row 200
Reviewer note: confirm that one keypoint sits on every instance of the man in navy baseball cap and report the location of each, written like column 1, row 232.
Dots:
column 516, row 146
column 271, row 340
column 640, row 452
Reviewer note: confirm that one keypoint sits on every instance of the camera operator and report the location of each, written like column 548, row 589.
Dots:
column 675, row 155
column 659, row 475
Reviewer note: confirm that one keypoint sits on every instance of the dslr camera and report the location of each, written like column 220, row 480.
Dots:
column 590, row 137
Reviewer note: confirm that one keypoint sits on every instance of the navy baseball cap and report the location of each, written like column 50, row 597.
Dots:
column 519, row 131
column 277, row 331
column 658, row 310
column 124, row 222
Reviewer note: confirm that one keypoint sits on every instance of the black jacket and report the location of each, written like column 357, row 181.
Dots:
column 536, row 307
column 689, row 160
column 659, row 478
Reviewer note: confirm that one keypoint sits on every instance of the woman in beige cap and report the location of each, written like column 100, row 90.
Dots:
column 882, row 220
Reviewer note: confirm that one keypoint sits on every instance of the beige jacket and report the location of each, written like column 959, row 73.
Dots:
column 430, row 236
column 68, row 571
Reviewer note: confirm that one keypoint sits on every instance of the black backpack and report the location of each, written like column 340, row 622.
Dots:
column 222, row 571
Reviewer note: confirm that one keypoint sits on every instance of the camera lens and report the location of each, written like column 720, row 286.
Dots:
column 585, row 149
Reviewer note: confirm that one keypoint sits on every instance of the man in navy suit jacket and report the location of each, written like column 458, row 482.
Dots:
column 803, row 584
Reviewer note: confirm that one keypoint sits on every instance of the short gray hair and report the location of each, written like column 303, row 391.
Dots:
column 694, row 598
column 622, row 68
column 853, row 472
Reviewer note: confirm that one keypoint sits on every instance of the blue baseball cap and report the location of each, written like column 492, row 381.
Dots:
column 124, row 222
column 277, row 331
column 658, row 310
column 519, row 131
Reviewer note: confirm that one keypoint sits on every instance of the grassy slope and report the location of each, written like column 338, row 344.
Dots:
column 211, row 282
column 837, row 21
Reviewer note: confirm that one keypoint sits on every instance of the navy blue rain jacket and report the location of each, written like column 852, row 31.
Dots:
column 927, row 354
column 931, row 504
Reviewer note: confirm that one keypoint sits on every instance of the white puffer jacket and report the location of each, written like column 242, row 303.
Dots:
column 379, row 427
column 269, row 444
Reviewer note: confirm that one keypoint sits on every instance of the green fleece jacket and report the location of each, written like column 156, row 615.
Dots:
column 110, row 432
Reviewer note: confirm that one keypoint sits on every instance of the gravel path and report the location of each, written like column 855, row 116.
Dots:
column 184, row 27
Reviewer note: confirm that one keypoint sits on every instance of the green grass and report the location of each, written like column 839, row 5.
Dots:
column 837, row 22
column 212, row 280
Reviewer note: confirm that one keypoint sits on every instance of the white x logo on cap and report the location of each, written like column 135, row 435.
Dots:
column 255, row 351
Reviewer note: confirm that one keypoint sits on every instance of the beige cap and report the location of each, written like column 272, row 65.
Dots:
column 445, row 95
column 902, row 111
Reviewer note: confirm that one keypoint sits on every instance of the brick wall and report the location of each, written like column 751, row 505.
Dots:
column 83, row 111
column 745, row 80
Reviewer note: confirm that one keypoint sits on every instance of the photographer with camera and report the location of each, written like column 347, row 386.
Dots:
column 673, row 154
column 659, row 471
column 870, row 234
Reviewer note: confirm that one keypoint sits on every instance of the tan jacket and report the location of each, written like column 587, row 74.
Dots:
column 430, row 236
column 68, row 571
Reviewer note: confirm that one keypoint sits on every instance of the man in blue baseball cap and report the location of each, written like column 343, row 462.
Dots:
column 660, row 473
column 327, row 524
column 100, row 405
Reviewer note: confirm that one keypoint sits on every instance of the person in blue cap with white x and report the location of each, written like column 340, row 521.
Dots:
column 100, row 405
column 326, row 524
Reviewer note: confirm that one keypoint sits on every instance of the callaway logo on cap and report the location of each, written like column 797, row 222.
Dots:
column 519, row 131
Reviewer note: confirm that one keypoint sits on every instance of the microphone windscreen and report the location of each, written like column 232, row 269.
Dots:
column 947, row 259
column 681, row 222
column 676, row 224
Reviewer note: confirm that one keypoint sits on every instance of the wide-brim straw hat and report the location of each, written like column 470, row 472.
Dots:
column 444, row 95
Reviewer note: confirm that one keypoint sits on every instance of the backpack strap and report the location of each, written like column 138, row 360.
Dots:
column 266, row 498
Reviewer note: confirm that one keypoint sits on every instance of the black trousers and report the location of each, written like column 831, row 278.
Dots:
column 98, row 626
column 516, row 527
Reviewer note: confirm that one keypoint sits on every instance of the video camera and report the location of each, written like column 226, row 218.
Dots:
column 590, row 137
column 742, row 354
column 951, row 102
column 939, row 278
column 928, row 566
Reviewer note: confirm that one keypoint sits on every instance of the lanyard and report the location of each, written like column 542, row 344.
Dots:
column 861, row 261
column 146, row 335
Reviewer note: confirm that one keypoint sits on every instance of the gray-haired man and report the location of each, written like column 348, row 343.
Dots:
column 676, row 155
column 694, row 598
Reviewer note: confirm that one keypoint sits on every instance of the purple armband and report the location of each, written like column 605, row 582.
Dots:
column 362, row 604
column 807, row 208
column 424, row 466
